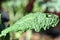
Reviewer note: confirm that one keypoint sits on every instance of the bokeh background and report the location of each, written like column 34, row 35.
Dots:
column 12, row 10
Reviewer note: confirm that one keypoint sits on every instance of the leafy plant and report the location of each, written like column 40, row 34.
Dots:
column 35, row 21
column 39, row 6
column 15, row 8
column 53, row 5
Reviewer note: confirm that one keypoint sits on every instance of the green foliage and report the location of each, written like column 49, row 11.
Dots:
column 15, row 8
column 39, row 6
column 33, row 21
column 53, row 5
column 15, row 3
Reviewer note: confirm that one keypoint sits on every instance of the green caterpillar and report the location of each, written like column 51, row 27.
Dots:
column 33, row 21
